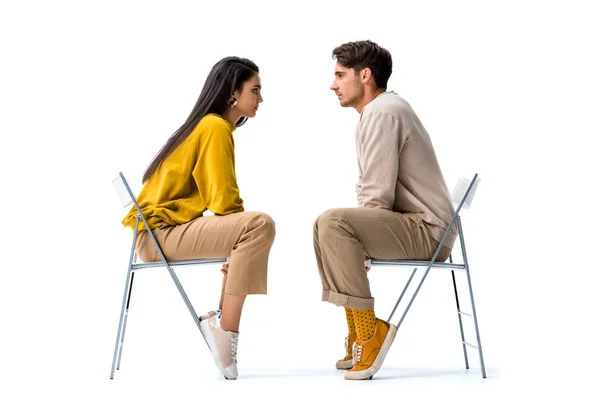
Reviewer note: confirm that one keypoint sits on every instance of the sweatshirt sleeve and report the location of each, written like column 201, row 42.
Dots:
column 214, row 171
column 380, row 141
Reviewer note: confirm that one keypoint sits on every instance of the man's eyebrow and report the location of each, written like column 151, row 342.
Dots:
column 339, row 72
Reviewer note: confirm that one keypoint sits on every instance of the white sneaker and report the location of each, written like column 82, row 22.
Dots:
column 222, row 345
column 209, row 314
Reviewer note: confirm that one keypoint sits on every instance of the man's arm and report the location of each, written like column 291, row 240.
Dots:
column 380, row 141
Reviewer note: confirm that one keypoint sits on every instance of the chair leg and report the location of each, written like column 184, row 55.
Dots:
column 185, row 298
column 402, row 294
column 462, row 332
column 414, row 296
column 175, row 279
column 125, row 322
column 483, row 373
column 120, row 330
column 464, row 252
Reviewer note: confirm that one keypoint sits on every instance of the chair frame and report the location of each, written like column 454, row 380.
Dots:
column 428, row 265
column 127, row 199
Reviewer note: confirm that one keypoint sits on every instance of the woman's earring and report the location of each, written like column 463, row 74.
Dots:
column 232, row 102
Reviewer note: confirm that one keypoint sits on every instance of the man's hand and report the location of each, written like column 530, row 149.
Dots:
column 368, row 268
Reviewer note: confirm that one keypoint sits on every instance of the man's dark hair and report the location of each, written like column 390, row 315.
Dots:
column 366, row 54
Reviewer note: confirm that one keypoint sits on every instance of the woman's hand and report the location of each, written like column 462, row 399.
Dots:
column 224, row 269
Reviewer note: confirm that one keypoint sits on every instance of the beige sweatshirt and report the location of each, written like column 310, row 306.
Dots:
column 398, row 168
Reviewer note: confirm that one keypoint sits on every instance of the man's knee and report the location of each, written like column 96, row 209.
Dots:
column 329, row 220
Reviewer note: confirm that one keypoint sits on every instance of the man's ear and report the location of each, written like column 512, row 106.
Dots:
column 365, row 74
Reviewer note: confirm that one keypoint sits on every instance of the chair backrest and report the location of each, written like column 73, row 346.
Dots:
column 124, row 193
column 127, row 198
column 465, row 190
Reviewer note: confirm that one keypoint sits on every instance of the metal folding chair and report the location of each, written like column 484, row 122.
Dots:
column 462, row 196
column 127, row 198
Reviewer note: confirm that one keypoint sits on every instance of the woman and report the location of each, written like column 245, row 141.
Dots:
column 195, row 172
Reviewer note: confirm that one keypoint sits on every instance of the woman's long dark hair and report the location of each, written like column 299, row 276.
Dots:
column 224, row 78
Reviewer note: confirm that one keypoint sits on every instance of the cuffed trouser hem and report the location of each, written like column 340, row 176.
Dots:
column 348, row 301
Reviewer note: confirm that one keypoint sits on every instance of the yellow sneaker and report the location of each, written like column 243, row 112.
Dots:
column 347, row 362
column 369, row 355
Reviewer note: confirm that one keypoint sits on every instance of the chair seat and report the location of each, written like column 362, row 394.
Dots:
column 414, row 264
column 179, row 263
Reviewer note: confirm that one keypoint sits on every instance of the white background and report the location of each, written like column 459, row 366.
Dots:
column 506, row 89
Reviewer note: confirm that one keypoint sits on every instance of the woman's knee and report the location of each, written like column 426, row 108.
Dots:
column 265, row 224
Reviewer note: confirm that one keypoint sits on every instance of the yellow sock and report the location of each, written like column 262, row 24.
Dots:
column 364, row 323
column 349, row 319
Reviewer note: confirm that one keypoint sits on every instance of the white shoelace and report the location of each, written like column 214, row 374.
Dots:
column 347, row 345
column 357, row 353
column 233, row 343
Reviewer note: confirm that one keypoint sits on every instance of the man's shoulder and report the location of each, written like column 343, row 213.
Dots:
column 388, row 103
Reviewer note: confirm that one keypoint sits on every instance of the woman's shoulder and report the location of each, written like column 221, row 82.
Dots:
column 211, row 126
column 214, row 121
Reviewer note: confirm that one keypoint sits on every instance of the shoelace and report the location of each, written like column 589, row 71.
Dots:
column 233, row 342
column 347, row 345
column 357, row 353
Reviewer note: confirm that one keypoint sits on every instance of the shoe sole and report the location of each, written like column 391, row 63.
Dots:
column 369, row 372
column 210, row 341
column 348, row 364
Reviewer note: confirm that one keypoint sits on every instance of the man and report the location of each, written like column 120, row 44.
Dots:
column 404, row 203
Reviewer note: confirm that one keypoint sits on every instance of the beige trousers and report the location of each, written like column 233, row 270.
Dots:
column 343, row 237
column 245, row 237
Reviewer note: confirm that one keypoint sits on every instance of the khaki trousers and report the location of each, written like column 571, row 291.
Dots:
column 245, row 237
column 343, row 237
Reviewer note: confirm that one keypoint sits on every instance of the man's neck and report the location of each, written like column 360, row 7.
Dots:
column 370, row 95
